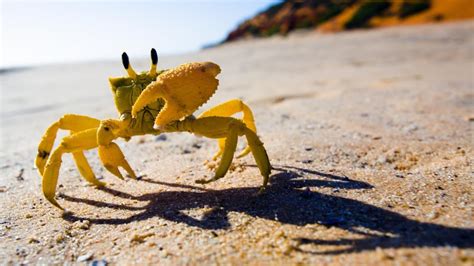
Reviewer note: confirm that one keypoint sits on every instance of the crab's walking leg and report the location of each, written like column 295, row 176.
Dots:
column 258, row 151
column 227, row 155
column 85, row 169
column 74, row 123
column 77, row 142
column 221, row 145
column 45, row 146
column 230, row 108
column 260, row 155
column 231, row 128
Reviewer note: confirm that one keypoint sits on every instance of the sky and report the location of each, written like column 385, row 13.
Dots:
column 35, row 32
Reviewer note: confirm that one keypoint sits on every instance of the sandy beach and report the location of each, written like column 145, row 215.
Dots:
column 370, row 134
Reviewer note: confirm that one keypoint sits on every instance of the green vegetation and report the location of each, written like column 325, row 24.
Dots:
column 288, row 15
column 254, row 30
column 365, row 12
column 271, row 31
column 332, row 10
column 304, row 24
column 410, row 8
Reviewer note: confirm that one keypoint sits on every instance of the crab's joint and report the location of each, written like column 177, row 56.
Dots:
column 43, row 154
column 127, row 66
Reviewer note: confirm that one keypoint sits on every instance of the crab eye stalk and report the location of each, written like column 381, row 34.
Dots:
column 154, row 61
column 127, row 66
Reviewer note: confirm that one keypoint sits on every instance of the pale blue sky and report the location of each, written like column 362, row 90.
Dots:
column 38, row 32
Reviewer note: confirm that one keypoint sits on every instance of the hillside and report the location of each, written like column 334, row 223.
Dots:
column 338, row 15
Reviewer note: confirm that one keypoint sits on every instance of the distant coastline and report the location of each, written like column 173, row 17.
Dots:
column 7, row 70
column 335, row 16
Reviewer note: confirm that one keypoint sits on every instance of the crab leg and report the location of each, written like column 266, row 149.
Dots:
column 227, row 156
column 72, row 122
column 230, row 108
column 45, row 146
column 85, row 169
column 77, row 142
column 230, row 128
column 258, row 151
column 221, row 145
column 259, row 154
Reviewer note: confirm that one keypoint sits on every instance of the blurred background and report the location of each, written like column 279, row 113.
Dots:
column 43, row 32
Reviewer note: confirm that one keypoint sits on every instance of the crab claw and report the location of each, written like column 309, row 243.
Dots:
column 184, row 90
column 112, row 157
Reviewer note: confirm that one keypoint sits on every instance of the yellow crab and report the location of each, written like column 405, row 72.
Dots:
column 152, row 102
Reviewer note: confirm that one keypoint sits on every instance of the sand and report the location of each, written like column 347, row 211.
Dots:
column 370, row 134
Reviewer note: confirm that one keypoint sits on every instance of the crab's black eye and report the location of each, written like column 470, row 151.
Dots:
column 125, row 60
column 106, row 128
column 154, row 56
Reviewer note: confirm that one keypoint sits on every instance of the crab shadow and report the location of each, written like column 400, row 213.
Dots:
column 289, row 200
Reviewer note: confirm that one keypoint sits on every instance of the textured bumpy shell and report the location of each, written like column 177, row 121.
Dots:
column 185, row 89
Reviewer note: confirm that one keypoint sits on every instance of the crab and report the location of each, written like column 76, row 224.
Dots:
column 152, row 102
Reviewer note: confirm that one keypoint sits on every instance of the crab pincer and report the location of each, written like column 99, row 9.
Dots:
column 184, row 89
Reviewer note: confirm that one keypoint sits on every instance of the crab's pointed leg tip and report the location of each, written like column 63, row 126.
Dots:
column 100, row 184
column 54, row 202
column 156, row 127
column 67, row 213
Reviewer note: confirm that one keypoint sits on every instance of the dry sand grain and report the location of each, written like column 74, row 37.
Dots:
column 370, row 134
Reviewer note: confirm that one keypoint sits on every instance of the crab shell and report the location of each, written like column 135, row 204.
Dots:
column 184, row 89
